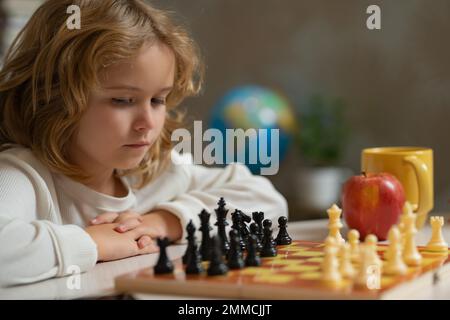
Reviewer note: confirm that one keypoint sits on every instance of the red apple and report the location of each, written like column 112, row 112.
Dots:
column 372, row 203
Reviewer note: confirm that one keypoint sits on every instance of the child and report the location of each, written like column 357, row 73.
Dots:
column 87, row 171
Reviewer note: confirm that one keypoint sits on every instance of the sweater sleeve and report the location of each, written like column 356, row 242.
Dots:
column 33, row 249
column 235, row 183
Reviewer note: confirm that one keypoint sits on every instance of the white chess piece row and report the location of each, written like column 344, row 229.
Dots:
column 401, row 252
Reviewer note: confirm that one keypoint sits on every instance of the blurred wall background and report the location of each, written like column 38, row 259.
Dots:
column 395, row 81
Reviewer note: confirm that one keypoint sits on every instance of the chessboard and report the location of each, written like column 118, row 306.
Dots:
column 294, row 273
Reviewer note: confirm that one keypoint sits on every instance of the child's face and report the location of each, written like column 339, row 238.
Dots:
column 128, row 109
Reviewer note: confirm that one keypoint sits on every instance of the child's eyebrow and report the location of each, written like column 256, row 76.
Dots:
column 132, row 88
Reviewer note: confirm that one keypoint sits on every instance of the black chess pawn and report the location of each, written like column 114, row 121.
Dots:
column 205, row 228
column 235, row 259
column 217, row 266
column 258, row 217
column 221, row 223
column 164, row 265
column 236, row 218
column 252, row 259
column 190, row 228
column 268, row 246
column 254, row 230
column 283, row 237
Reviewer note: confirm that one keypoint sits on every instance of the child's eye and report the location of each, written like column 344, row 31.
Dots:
column 158, row 101
column 122, row 101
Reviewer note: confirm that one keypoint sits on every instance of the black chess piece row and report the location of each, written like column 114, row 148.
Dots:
column 257, row 241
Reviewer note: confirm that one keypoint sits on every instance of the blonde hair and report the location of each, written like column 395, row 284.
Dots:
column 49, row 70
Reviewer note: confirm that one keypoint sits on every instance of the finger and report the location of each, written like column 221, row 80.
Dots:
column 144, row 241
column 151, row 248
column 128, row 215
column 127, row 225
column 107, row 217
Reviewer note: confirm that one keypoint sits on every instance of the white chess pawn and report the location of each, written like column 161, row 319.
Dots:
column 411, row 255
column 371, row 245
column 437, row 242
column 368, row 275
column 335, row 224
column 394, row 264
column 330, row 268
column 353, row 240
column 345, row 264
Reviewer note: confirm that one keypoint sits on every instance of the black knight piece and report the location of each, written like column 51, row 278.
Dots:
column 283, row 237
column 164, row 265
column 221, row 223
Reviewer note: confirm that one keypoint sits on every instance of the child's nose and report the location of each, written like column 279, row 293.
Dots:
column 146, row 119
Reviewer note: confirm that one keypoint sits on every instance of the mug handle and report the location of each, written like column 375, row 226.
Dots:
column 425, row 189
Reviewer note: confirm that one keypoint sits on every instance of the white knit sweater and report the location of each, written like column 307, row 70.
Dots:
column 43, row 215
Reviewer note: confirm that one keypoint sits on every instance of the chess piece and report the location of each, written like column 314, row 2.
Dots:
column 437, row 243
column 217, row 266
column 235, row 259
column 411, row 255
column 371, row 251
column 190, row 228
column 283, row 237
column 345, row 265
column 205, row 228
column 254, row 230
column 353, row 240
column 194, row 261
column 164, row 265
column 268, row 249
column 394, row 262
column 330, row 267
column 330, row 243
column 236, row 218
column 258, row 217
column 221, row 223
column 368, row 275
column 407, row 211
column 252, row 259
column 334, row 223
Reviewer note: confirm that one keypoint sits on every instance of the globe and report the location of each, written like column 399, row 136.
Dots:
column 259, row 108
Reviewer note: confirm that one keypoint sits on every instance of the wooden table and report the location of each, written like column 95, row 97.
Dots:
column 99, row 282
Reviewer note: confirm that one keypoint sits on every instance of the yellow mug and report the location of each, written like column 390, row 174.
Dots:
column 413, row 167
